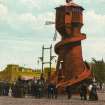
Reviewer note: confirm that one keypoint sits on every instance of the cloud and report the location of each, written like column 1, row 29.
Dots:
column 40, row 6
column 30, row 22
column 90, row 1
column 94, row 24
column 3, row 12
column 97, row 5
column 23, row 30
column 31, row 4
column 94, row 47
column 57, row 1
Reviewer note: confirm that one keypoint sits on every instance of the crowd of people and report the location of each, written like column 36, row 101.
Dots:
column 38, row 89
column 4, row 88
column 90, row 91
column 24, row 88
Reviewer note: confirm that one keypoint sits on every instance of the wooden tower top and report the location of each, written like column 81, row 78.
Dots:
column 69, row 17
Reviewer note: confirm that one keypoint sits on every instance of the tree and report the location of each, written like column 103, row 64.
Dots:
column 98, row 69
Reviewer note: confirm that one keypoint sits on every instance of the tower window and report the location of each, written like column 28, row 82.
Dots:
column 67, row 13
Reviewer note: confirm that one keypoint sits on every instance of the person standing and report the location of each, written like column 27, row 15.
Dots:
column 51, row 90
column 90, row 91
column 94, row 95
column 83, row 91
column 69, row 91
column 55, row 91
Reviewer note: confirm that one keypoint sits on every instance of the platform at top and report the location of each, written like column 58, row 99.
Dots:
column 71, row 4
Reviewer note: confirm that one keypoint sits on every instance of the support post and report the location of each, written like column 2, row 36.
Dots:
column 48, row 62
column 42, row 57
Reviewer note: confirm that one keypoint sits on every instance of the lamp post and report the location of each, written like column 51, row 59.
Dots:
column 60, row 72
column 61, row 64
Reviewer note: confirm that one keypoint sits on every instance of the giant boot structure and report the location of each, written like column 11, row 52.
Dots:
column 71, row 68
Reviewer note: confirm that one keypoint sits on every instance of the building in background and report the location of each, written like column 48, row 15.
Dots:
column 12, row 72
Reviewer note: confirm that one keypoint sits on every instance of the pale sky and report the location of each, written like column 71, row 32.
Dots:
column 23, row 30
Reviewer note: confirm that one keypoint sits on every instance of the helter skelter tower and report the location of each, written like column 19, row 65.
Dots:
column 70, row 66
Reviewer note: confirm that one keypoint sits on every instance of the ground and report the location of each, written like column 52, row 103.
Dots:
column 62, row 100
